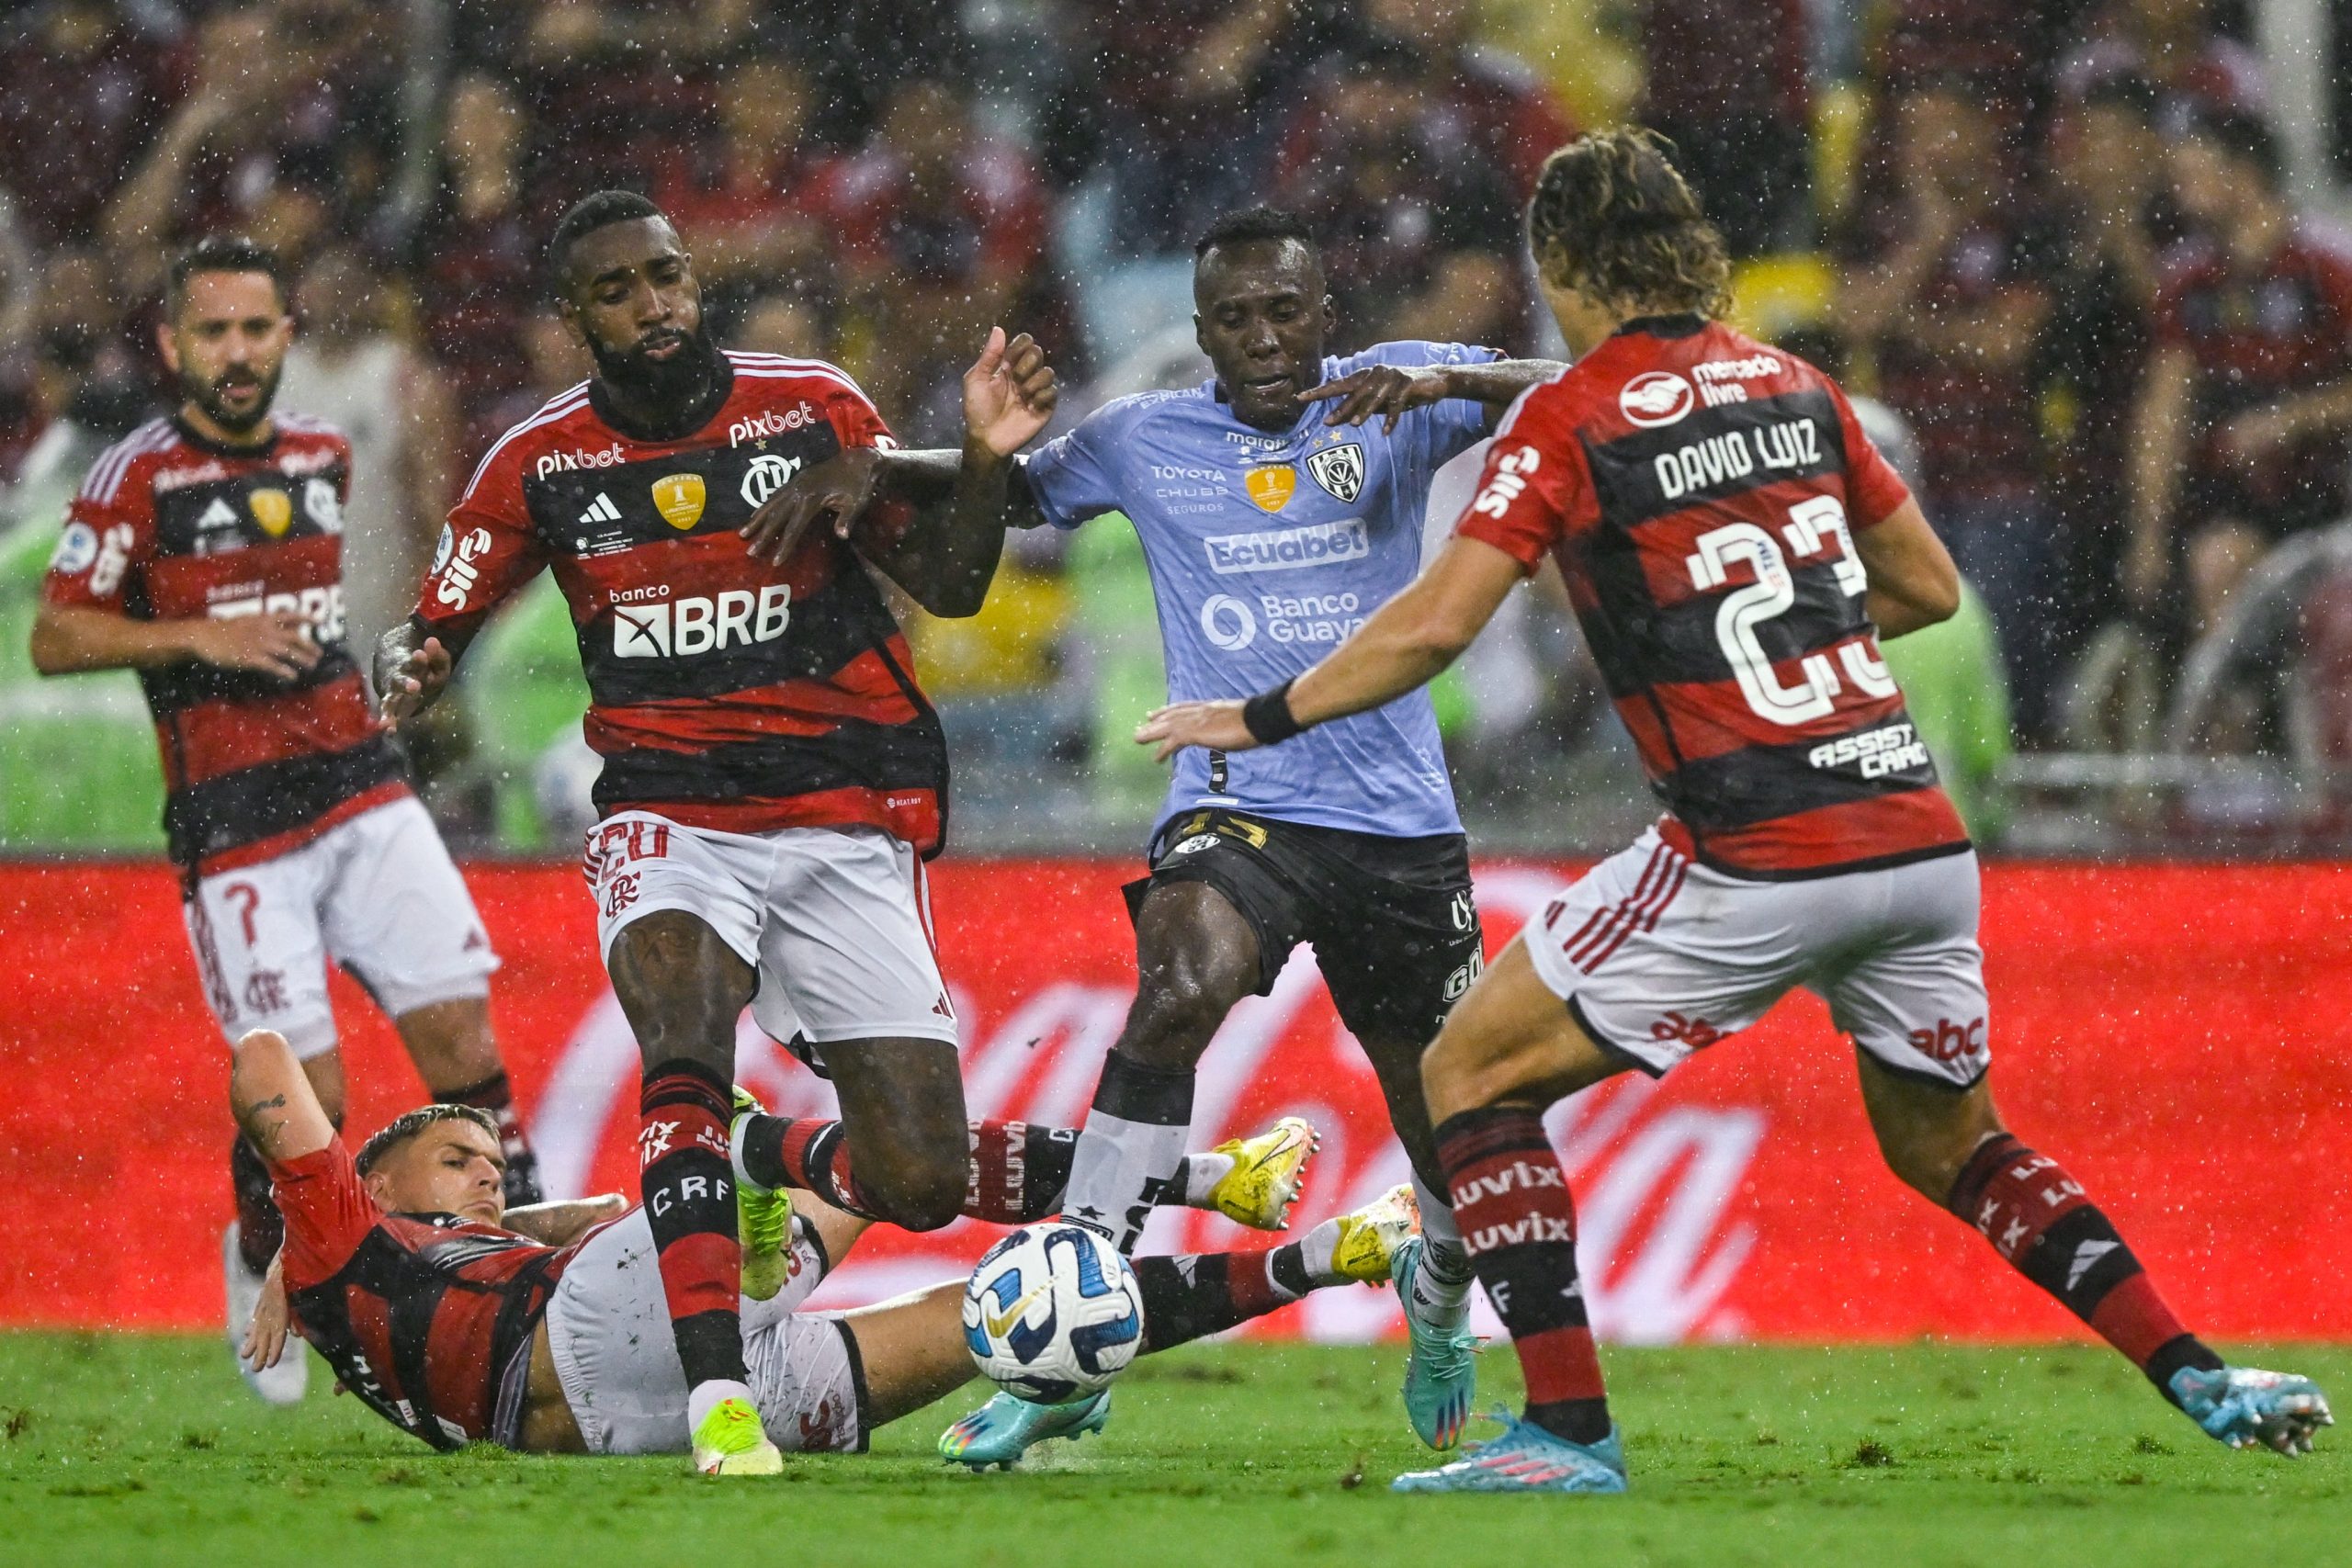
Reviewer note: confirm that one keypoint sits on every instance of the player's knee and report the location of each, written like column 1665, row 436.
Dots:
column 1180, row 1005
column 918, row 1194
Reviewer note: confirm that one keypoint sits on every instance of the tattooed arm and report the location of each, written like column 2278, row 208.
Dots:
column 272, row 1099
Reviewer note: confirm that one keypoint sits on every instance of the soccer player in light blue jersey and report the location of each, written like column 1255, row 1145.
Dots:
column 1279, row 506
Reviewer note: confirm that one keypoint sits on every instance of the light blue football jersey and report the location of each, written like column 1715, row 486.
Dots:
column 1266, row 549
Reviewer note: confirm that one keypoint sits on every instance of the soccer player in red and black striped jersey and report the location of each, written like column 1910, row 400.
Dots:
column 460, row 1320
column 205, row 551
column 1735, row 549
column 773, row 776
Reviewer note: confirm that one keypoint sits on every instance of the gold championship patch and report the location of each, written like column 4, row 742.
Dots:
column 274, row 510
column 679, row 498
column 1271, row 488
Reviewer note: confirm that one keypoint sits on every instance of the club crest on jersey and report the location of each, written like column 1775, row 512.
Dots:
column 679, row 498
column 1271, row 487
column 1655, row 397
column 274, row 510
column 767, row 475
column 1339, row 469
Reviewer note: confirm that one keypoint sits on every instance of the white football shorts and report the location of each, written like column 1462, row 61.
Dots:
column 1658, row 956
column 835, row 920
column 377, row 893
column 609, row 1329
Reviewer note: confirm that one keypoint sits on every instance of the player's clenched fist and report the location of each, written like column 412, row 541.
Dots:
column 1008, row 393
column 410, row 683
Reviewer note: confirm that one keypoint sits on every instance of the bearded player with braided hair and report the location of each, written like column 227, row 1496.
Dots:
column 1735, row 549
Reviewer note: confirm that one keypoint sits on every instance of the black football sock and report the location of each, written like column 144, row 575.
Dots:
column 1130, row 1149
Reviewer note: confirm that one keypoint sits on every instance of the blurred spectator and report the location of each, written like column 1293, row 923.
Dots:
column 938, row 229
column 1726, row 84
column 1947, row 295
column 616, row 86
column 476, row 271
column 71, row 385
column 744, row 199
column 2244, row 428
column 2109, row 210
column 81, row 91
column 1474, row 100
column 1419, row 234
column 349, row 367
column 2172, row 44
column 287, row 134
column 1165, row 118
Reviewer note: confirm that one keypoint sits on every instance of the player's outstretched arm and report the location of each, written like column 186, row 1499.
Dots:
column 564, row 1221
column 1913, row 582
column 1387, row 392
column 932, row 521
column 1406, row 644
column 272, row 1099
column 70, row 638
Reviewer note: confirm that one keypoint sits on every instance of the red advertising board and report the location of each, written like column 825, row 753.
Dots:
column 2180, row 1036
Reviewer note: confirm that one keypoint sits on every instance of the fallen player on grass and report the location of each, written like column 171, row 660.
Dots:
column 542, row 1329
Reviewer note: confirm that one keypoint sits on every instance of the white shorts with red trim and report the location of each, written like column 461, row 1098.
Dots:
column 835, row 920
column 1658, row 956
column 377, row 893
column 608, row 1330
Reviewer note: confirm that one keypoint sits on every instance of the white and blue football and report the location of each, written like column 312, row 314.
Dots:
column 1053, row 1312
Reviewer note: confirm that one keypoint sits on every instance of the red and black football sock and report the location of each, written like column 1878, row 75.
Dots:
column 1019, row 1169
column 1189, row 1296
column 688, row 1190
column 2040, row 1219
column 496, row 1095
column 1518, row 1225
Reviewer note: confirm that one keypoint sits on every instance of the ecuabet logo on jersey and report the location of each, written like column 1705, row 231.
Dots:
column 274, row 510
column 1655, row 397
column 1271, row 487
column 679, row 498
column 1339, row 469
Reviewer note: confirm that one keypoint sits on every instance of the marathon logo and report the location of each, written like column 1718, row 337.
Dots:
column 1889, row 748
column 1288, row 549
column 683, row 629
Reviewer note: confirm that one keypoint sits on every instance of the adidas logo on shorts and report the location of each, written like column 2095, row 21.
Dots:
column 600, row 510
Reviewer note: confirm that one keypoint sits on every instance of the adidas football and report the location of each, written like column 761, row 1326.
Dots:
column 1052, row 1313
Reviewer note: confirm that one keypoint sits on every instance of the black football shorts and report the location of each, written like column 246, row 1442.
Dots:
column 1393, row 920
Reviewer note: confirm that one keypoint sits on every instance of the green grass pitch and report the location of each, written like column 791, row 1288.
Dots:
column 122, row 1448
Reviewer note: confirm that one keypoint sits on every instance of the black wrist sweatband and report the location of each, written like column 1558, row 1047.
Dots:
column 1268, row 718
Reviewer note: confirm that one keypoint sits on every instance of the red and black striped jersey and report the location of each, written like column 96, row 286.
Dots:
column 725, row 691
column 427, row 1318
column 1700, row 491
column 167, row 526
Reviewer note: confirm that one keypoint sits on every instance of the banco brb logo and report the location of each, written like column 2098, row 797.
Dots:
column 1227, row 622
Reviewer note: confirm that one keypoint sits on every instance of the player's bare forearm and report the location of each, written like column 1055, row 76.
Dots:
column 1498, row 384
column 1409, row 640
column 561, row 1222
column 1407, row 643
column 69, row 638
column 1912, row 581
column 272, row 1099
column 946, row 553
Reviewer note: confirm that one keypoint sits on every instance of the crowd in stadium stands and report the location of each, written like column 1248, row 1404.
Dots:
column 2053, row 240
